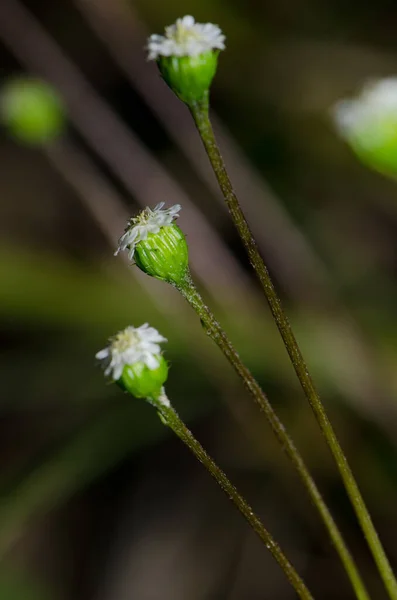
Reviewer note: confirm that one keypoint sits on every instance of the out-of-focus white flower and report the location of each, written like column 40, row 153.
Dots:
column 148, row 221
column 130, row 346
column 376, row 102
column 186, row 38
column 368, row 123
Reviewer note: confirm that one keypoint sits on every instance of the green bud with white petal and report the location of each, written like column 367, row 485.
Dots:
column 134, row 361
column 187, row 56
column 369, row 124
column 157, row 244
column 32, row 110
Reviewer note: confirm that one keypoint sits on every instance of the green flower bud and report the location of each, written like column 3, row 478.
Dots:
column 32, row 110
column 369, row 125
column 157, row 244
column 134, row 361
column 187, row 56
column 164, row 255
column 142, row 382
column 189, row 77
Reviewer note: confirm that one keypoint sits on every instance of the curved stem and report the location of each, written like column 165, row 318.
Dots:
column 200, row 115
column 170, row 417
column 215, row 331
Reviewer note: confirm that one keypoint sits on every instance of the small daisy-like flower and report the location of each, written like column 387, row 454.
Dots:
column 131, row 346
column 148, row 221
column 187, row 56
column 369, row 123
column 186, row 38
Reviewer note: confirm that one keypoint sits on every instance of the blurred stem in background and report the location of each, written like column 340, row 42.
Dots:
column 215, row 331
column 200, row 114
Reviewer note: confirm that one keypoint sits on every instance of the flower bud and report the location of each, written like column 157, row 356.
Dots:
column 32, row 110
column 189, row 77
column 133, row 359
column 369, row 124
column 142, row 382
column 164, row 255
column 157, row 244
column 187, row 56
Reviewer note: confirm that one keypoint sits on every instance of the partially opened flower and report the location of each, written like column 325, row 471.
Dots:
column 148, row 221
column 157, row 244
column 369, row 124
column 187, row 56
column 133, row 359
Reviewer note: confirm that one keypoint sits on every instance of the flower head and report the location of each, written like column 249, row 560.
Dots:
column 377, row 100
column 369, row 123
column 148, row 221
column 187, row 56
column 157, row 244
column 130, row 346
column 186, row 38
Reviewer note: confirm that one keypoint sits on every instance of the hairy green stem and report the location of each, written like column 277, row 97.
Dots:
column 170, row 417
column 215, row 331
column 200, row 113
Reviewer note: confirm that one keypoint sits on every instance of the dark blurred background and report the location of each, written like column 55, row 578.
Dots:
column 98, row 500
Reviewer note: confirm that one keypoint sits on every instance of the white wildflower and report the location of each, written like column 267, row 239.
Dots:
column 148, row 221
column 186, row 38
column 132, row 345
column 376, row 104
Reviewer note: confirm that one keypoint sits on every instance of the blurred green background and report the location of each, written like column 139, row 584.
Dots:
column 98, row 501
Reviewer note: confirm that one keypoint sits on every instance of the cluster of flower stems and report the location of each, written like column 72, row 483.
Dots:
column 200, row 114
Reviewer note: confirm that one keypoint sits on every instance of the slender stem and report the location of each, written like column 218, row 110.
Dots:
column 200, row 115
column 170, row 417
column 215, row 331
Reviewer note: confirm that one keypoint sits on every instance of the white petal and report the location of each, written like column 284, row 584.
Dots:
column 102, row 354
column 131, row 235
column 117, row 372
column 187, row 21
column 151, row 348
column 186, row 38
column 155, row 38
column 152, row 361
column 154, row 336
column 153, row 227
